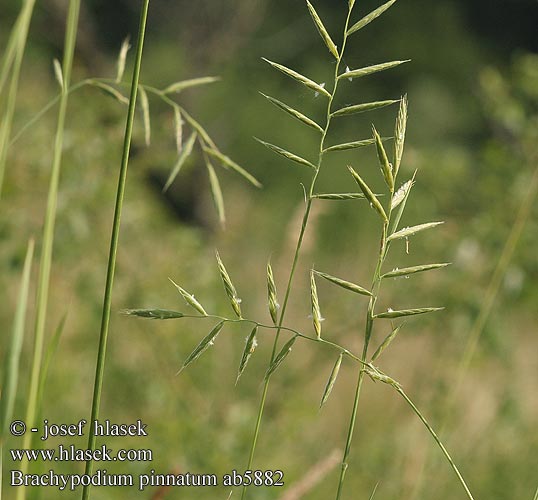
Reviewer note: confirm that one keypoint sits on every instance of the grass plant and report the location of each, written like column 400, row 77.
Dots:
column 390, row 214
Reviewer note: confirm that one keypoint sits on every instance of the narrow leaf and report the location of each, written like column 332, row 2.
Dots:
column 144, row 102
column 58, row 72
column 339, row 196
column 178, row 125
column 388, row 339
column 370, row 196
column 368, row 70
column 250, row 345
column 281, row 356
column 271, row 294
column 206, row 342
column 399, row 133
column 409, row 231
column 316, row 313
column 194, row 82
column 400, row 200
column 216, row 192
column 386, row 167
column 122, row 57
column 350, row 145
column 300, row 78
column 407, row 312
column 293, row 112
column 344, row 284
column 228, row 162
column 229, row 287
column 361, row 108
column 189, row 299
column 369, row 17
column 286, row 154
column 110, row 91
column 11, row 363
column 323, row 31
column 183, row 155
column 332, row 380
column 405, row 271
column 154, row 313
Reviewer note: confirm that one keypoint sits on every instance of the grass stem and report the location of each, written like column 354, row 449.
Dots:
column 107, row 301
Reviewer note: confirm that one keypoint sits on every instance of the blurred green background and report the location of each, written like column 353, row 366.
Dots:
column 472, row 135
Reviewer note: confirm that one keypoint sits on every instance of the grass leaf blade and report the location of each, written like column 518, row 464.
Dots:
column 331, row 380
column 144, row 102
column 229, row 287
column 370, row 17
column 216, row 192
column 287, row 154
column 122, row 58
column 316, row 313
column 388, row 339
column 271, row 295
column 339, row 196
column 322, row 30
column 386, row 167
column 350, row 145
column 399, row 133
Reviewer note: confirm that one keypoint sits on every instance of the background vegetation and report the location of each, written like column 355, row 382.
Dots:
column 472, row 135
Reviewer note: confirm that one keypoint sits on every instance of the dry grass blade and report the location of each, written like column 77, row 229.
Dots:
column 286, row 154
column 370, row 17
column 153, row 313
column 405, row 271
column 189, row 298
column 369, row 70
column 350, row 145
column 228, row 162
column 144, row 102
column 122, row 58
column 300, row 78
column 410, row 231
column 362, row 108
column 271, row 294
column 205, row 343
column 293, row 112
column 338, row 196
column 183, row 155
column 250, row 345
column 229, row 286
column 344, row 284
column 216, row 192
column 185, row 84
column 370, row 196
column 390, row 314
column 280, row 357
column 322, row 30
column 386, row 167
column 58, row 72
column 111, row 91
column 399, row 133
column 316, row 313
column 11, row 364
column 388, row 339
column 332, row 380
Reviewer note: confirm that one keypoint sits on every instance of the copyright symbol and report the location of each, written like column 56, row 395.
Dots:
column 17, row 428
